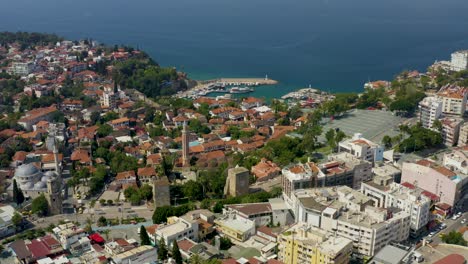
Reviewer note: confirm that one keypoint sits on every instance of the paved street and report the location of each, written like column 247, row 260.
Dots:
column 107, row 211
column 451, row 226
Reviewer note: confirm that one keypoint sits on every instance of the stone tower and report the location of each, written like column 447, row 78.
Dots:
column 237, row 182
column 185, row 146
column 161, row 194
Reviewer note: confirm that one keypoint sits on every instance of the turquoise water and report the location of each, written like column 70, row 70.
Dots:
column 334, row 45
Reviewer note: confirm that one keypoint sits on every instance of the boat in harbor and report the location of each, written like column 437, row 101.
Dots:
column 240, row 90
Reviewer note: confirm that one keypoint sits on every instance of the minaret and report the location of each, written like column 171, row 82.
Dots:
column 56, row 159
column 54, row 186
column 185, row 146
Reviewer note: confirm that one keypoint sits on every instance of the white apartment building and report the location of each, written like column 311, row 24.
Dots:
column 350, row 214
column 457, row 161
column 430, row 109
column 370, row 230
column 412, row 201
column 463, row 135
column 450, row 130
column 453, row 99
column 459, row 60
column 108, row 99
column 177, row 229
column 362, row 148
column 22, row 68
column 236, row 228
column 68, row 234
column 298, row 176
column 141, row 254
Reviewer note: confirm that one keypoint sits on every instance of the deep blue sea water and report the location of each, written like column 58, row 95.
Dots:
column 334, row 45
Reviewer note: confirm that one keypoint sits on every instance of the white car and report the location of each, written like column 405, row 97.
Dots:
column 431, row 234
column 463, row 221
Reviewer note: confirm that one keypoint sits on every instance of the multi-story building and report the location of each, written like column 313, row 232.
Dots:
column 34, row 116
column 463, row 135
column 141, row 254
column 449, row 186
column 450, row 130
column 387, row 194
column 178, row 228
column 350, row 214
column 457, row 161
column 344, row 169
column 453, row 99
column 362, row 148
column 108, row 100
column 22, row 68
column 260, row 213
column 68, row 234
column 236, row 228
column 459, row 60
column 387, row 170
column 430, row 109
column 298, row 176
column 304, row 244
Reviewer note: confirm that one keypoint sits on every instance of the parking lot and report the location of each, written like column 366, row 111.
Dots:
column 372, row 124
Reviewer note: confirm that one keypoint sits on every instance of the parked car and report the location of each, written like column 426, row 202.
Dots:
column 431, row 234
column 463, row 221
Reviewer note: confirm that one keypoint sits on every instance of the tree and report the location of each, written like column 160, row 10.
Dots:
column 455, row 238
column 330, row 136
column 144, row 237
column 162, row 250
column 104, row 130
column 340, row 135
column 17, row 220
column 193, row 190
column 102, row 221
column 225, row 243
column 176, row 253
column 18, row 196
column 387, row 141
column 437, row 125
column 40, row 205
column 146, row 192
column 88, row 228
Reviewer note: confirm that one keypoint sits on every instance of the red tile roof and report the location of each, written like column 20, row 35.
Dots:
column 451, row 259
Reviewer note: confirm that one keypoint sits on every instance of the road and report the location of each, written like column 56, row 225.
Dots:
column 107, row 211
column 451, row 226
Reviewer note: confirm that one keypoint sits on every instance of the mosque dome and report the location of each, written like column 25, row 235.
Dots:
column 40, row 185
column 26, row 170
column 27, row 186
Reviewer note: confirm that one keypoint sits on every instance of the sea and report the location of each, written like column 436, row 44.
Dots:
column 332, row 45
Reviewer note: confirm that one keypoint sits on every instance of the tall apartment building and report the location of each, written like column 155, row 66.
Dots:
column 451, row 130
column 298, row 176
column 430, row 109
column 387, row 194
column 453, row 99
column 305, row 244
column 459, row 60
column 448, row 186
column 108, row 99
column 350, row 214
column 22, row 68
column 345, row 169
column 362, row 148
column 463, row 135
